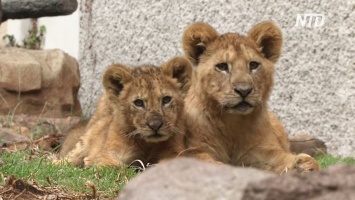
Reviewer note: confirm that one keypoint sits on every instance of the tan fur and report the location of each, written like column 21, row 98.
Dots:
column 72, row 137
column 122, row 130
column 227, row 107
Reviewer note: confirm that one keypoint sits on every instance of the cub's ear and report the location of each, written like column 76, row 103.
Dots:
column 115, row 77
column 195, row 39
column 269, row 38
column 181, row 69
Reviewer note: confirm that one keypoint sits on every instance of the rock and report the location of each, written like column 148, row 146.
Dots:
column 336, row 182
column 19, row 130
column 301, row 143
column 24, row 131
column 39, row 82
column 7, row 136
column 34, row 127
column 50, row 143
column 20, row 9
column 187, row 178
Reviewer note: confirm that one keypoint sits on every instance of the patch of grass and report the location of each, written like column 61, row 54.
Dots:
column 38, row 167
column 328, row 160
column 107, row 181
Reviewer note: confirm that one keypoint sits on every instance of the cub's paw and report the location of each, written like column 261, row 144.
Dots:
column 305, row 163
column 88, row 162
column 59, row 162
column 102, row 161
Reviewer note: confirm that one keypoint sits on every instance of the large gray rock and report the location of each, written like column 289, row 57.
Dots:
column 7, row 136
column 186, row 179
column 314, row 89
column 39, row 82
column 334, row 183
column 20, row 9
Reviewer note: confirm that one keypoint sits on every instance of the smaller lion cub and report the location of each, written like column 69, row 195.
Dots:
column 139, row 117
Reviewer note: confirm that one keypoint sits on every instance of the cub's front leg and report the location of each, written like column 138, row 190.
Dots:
column 304, row 163
column 277, row 148
column 200, row 153
column 103, row 159
column 77, row 155
column 113, row 152
column 280, row 161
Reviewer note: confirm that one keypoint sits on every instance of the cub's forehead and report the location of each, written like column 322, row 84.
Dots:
column 149, row 77
column 150, row 82
column 233, row 42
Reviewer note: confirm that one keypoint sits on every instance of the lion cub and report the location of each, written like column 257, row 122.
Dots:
column 140, row 116
column 227, row 107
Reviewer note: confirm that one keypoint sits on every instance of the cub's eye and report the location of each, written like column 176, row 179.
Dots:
column 138, row 103
column 166, row 100
column 253, row 65
column 222, row 67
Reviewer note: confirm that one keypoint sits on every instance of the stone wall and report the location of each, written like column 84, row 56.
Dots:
column 314, row 89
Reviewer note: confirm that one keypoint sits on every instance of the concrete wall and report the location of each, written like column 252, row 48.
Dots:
column 62, row 32
column 315, row 80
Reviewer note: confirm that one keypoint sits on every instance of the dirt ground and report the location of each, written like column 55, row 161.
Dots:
column 25, row 132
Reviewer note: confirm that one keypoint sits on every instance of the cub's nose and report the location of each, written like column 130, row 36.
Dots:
column 155, row 123
column 243, row 91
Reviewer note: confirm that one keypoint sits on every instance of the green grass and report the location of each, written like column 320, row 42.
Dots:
column 108, row 181
column 328, row 160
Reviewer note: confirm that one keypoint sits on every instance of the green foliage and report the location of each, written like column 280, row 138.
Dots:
column 34, row 40
column 108, row 181
column 11, row 40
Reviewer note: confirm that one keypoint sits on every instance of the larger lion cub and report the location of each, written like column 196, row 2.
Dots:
column 140, row 116
column 227, row 107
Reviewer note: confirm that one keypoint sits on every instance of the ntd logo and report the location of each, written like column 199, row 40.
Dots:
column 311, row 20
